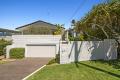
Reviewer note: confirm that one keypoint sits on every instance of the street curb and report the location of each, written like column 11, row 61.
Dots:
column 33, row 72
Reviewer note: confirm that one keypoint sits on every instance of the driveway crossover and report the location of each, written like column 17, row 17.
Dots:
column 19, row 69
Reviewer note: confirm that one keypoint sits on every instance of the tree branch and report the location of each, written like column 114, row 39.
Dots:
column 101, row 27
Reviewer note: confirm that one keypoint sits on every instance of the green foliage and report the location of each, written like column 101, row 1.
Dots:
column 78, row 38
column 51, row 62
column 85, row 70
column 59, row 29
column 102, row 22
column 17, row 53
column 56, row 60
column 112, row 1
column 81, row 37
column 3, row 44
column 3, row 62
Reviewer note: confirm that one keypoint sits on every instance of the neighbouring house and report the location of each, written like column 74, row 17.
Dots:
column 7, row 34
column 39, row 28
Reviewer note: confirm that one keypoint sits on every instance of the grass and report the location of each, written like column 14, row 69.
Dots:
column 86, row 70
column 2, row 62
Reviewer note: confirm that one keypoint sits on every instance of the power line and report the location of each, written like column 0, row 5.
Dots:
column 76, row 11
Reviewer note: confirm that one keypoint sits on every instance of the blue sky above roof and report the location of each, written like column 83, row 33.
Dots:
column 15, row 13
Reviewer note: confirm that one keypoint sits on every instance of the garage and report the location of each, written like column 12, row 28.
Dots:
column 35, row 50
column 36, row 45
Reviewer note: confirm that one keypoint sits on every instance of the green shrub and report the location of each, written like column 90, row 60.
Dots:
column 3, row 44
column 17, row 53
column 55, row 60
column 77, row 38
column 52, row 61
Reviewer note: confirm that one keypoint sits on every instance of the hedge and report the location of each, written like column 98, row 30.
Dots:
column 17, row 53
column 77, row 38
column 3, row 44
column 55, row 60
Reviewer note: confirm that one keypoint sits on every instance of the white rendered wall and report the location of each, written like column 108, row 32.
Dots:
column 24, row 40
column 88, row 50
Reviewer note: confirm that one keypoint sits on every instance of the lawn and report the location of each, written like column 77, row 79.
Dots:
column 86, row 70
column 2, row 62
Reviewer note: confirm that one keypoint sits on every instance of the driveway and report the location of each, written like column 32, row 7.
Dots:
column 19, row 69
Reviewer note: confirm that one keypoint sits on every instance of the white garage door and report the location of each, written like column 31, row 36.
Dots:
column 40, row 51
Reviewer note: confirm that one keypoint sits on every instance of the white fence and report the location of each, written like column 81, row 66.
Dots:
column 8, row 38
column 73, row 51
column 35, row 39
column 24, row 40
column 88, row 50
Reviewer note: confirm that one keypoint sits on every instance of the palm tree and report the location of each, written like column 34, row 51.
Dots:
column 103, row 21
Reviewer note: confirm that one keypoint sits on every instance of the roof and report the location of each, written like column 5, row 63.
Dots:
column 34, row 23
column 7, row 30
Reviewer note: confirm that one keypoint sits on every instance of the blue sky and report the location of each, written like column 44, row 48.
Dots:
column 15, row 13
